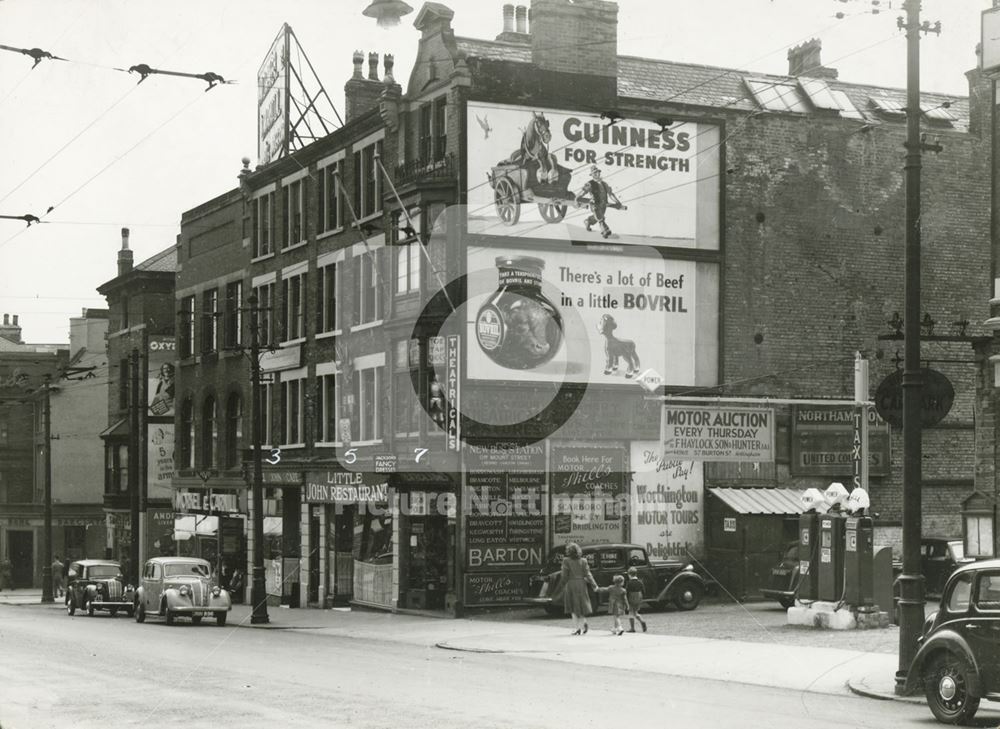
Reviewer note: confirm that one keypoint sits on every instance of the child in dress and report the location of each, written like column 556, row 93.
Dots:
column 633, row 589
column 617, row 603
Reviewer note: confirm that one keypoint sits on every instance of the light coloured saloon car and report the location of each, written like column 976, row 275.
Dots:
column 173, row 587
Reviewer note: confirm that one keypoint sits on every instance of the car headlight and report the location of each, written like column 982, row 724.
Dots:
column 689, row 568
column 185, row 591
column 216, row 591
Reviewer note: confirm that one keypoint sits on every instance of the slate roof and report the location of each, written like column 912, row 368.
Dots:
column 715, row 86
column 163, row 262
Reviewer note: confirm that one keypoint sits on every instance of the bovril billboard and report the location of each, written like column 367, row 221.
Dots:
column 563, row 175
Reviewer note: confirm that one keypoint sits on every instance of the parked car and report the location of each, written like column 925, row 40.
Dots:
column 98, row 584
column 666, row 581
column 174, row 587
column 958, row 657
column 784, row 581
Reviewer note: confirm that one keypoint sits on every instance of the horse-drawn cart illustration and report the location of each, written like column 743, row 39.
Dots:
column 531, row 175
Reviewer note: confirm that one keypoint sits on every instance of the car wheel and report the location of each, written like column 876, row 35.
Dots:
column 70, row 605
column 689, row 596
column 786, row 602
column 220, row 619
column 140, row 613
column 195, row 619
column 168, row 614
column 90, row 608
column 946, row 686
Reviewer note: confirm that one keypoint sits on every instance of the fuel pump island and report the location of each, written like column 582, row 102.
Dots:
column 844, row 581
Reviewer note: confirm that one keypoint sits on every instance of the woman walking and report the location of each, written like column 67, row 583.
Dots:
column 575, row 577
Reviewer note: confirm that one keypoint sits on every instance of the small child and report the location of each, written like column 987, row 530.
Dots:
column 634, row 590
column 617, row 603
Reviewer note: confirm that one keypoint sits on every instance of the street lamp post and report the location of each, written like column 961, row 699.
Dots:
column 258, row 591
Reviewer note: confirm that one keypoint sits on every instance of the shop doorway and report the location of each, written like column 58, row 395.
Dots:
column 314, row 531
column 427, row 580
column 21, row 552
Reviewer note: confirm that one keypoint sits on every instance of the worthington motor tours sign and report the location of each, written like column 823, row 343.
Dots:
column 572, row 315
column 699, row 433
column 563, row 175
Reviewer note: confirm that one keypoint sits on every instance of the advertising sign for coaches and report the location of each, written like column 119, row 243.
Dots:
column 705, row 433
column 823, row 441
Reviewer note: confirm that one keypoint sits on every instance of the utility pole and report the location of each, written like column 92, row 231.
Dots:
column 133, row 463
column 258, row 591
column 47, row 518
column 911, row 602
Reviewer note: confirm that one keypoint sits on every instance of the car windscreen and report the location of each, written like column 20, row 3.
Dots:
column 186, row 569
column 103, row 570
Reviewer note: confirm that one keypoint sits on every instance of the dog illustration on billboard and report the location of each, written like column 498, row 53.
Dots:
column 615, row 348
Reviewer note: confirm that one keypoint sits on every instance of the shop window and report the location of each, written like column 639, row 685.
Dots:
column 234, row 432
column 74, row 541
column 185, row 444
column 209, row 433
column 186, row 327
column 210, row 321
column 328, row 310
column 263, row 220
column 293, row 289
column 331, row 213
column 233, row 329
column 293, row 208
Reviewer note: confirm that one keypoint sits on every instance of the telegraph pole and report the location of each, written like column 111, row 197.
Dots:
column 133, row 463
column 47, row 518
column 911, row 602
column 258, row 590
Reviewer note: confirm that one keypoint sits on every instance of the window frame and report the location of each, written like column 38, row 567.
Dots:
column 262, row 213
column 364, row 369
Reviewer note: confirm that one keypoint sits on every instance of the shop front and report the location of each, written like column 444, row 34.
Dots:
column 206, row 523
column 349, row 520
column 427, row 535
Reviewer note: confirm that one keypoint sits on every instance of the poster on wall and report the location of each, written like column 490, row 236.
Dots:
column 160, row 385
column 823, row 441
column 707, row 433
column 570, row 314
column 160, row 533
column 505, row 524
column 563, row 175
column 666, row 514
column 160, row 460
column 588, row 493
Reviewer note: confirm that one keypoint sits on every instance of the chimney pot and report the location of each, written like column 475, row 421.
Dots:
column 522, row 19
column 388, row 61
column 6, row 320
column 359, row 61
column 124, row 239
column 15, row 319
column 508, row 18
column 373, row 67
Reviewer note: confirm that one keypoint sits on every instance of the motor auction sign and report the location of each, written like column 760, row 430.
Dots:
column 705, row 433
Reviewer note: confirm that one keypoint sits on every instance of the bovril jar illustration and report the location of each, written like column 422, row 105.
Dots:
column 518, row 327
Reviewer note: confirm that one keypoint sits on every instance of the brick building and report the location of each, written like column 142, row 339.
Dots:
column 739, row 233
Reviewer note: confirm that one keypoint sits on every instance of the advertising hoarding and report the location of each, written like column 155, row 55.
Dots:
column 162, row 351
column 572, row 315
column 702, row 433
column 564, row 175
column 160, row 460
column 823, row 442
column 272, row 101
column 588, row 493
column 667, row 503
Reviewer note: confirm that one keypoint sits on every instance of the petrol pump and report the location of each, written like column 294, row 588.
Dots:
column 830, row 577
column 859, row 587
column 814, row 504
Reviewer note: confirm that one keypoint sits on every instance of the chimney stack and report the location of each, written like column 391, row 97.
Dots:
column 10, row 332
column 586, row 54
column 362, row 94
column 804, row 60
column 124, row 255
column 512, row 33
column 522, row 19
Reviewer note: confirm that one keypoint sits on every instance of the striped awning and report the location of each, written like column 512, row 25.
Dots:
column 761, row 500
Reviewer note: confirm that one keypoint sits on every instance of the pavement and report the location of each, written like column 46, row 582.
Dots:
column 815, row 669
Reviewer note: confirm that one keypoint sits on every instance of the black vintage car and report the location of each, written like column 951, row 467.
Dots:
column 958, row 661
column 98, row 584
column 666, row 581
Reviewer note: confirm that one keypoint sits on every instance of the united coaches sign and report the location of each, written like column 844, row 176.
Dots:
column 717, row 434
column 565, row 175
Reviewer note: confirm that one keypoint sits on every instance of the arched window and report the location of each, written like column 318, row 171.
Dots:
column 234, row 430
column 185, row 444
column 209, row 433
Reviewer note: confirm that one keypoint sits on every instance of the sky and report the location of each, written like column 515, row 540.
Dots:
column 105, row 152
